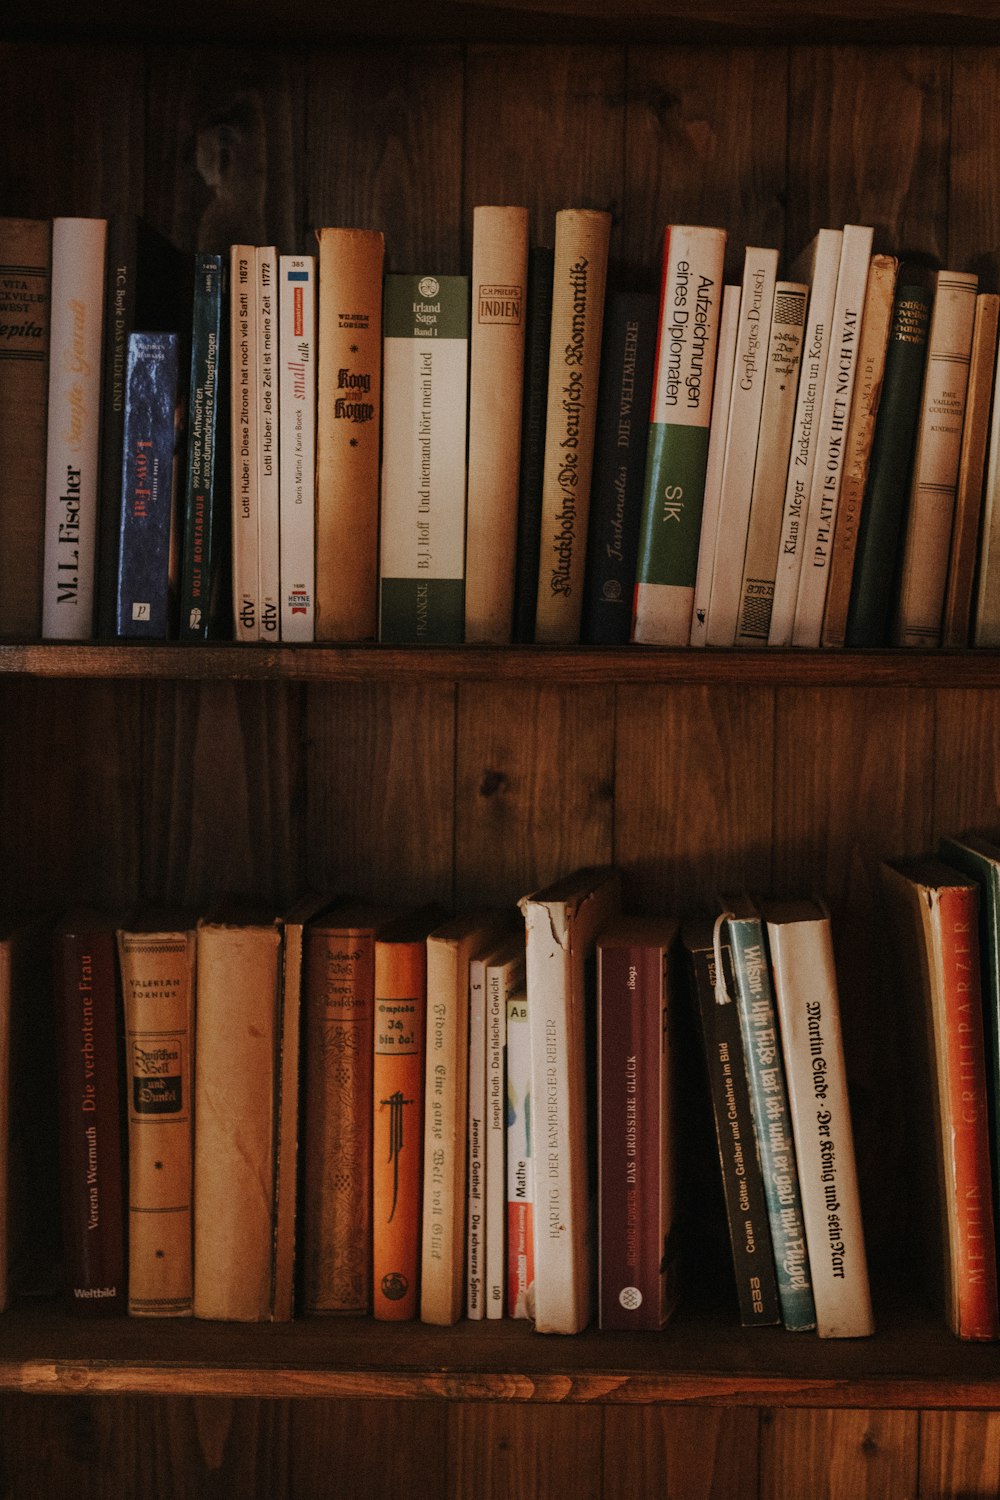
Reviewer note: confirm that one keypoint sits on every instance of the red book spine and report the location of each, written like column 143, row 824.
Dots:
column 89, row 1079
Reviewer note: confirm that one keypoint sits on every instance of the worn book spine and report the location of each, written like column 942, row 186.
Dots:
column 297, row 444
column 924, row 568
column 496, row 372
column 742, row 1179
column 743, row 433
column 674, row 488
column 74, row 428
column 628, row 348
column 504, row 978
column 725, row 369
column 986, row 613
column 266, row 374
column 579, row 275
column 536, row 385
column 243, row 441
column 475, row 1302
column 147, row 502
column 349, row 408
column 520, row 1163
column 206, row 480
column 805, row 984
column 875, row 326
column 25, row 267
column 157, row 970
column 422, row 537
column 872, row 585
column 90, row 1115
column 760, row 562
column 971, row 469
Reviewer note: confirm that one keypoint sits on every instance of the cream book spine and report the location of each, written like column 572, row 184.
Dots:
column 266, row 260
column 79, row 247
column 578, row 284
column 243, row 441
column 297, row 444
column 496, row 372
column 721, row 396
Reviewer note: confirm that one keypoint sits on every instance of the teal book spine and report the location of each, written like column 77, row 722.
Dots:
column 772, row 1121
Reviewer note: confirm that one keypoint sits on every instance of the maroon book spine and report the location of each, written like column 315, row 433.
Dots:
column 90, row 1116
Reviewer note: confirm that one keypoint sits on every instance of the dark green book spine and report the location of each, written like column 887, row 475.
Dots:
column 536, row 386
column 206, row 494
column 884, row 509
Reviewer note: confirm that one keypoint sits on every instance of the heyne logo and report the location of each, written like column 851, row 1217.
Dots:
column 428, row 287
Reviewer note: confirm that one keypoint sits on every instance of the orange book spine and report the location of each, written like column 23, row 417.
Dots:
column 964, row 1081
column 398, row 1118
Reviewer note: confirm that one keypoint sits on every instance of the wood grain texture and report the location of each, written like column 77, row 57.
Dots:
column 959, row 1455
column 496, row 1452
column 694, row 1454
column 822, row 1455
column 705, row 145
column 379, row 1451
column 533, row 787
column 868, row 144
column 974, row 167
column 385, row 149
column 966, row 781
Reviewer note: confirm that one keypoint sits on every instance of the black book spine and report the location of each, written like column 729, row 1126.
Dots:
column 536, row 385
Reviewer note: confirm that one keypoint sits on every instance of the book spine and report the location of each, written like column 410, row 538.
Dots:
column 337, row 1161
column 628, row 348
column 297, row 444
column 760, row 563
column 6, row 983
column 25, row 271
column 148, row 489
column 157, row 972
column 536, row 385
column 972, row 464
column 243, row 439
column 502, row 982
column 772, row 1123
column 858, row 442
column 268, row 523
column 446, row 1109
column 882, row 513
column 579, row 275
column 986, row 623
column 74, row 428
column 398, row 1113
column 725, row 369
column 349, row 407
column 742, row 1179
column 520, row 1163
column 496, row 372
column 742, row 437
column 838, row 391
column 87, row 1056
column 121, row 295
column 805, row 983
column 674, row 487
column 475, row 1302
column 924, row 568
column 422, row 564
column 206, row 493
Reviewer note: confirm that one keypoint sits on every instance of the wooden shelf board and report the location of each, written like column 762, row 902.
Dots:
column 911, row 1362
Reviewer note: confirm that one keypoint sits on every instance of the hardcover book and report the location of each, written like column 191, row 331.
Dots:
column 243, row 366
column 147, row 504
column 725, row 369
column 536, row 385
column 504, row 980
column 266, row 376
column 475, row 1225
column 520, row 1163
column 422, row 559
column 674, row 489
column 297, row 445
column 204, row 589
column 965, row 529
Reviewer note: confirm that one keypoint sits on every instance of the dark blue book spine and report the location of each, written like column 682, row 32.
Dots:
column 206, row 497
column 623, row 407
column 147, row 494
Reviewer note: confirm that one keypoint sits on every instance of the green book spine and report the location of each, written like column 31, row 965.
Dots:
column 422, row 562
column 206, row 496
column 883, row 511
column 677, row 452
column 772, row 1122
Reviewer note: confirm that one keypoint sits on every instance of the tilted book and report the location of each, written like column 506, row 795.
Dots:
column 817, row 266
column 986, row 612
column 74, row 428
column 422, row 540
column 742, row 1179
column 637, row 1243
column 805, row 986
column 561, row 925
column 579, row 274
column 349, row 408
column 245, row 500
column 25, row 267
column 670, row 531
column 769, row 1101
column 266, row 376
column 927, row 538
column 971, row 468
column 504, row 979
column 935, row 910
column 297, row 445
column 536, row 385
column 148, row 501
column 496, row 370
column 157, row 956
column 204, row 585
column 725, row 369
column 520, row 1163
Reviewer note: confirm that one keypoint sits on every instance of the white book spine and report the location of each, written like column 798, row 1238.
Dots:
column 805, row 985
column 821, row 274
column 297, row 445
column 502, row 980
column 725, row 365
column 474, row 1259
column 814, row 573
column 520, row 1165
column 756, row 304
column 267, row 440
column 243, row 406
column 74, row 427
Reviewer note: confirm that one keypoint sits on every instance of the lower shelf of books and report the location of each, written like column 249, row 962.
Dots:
column 701, row 1357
